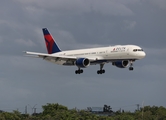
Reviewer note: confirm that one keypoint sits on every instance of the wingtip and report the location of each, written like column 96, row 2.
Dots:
column 24, row 51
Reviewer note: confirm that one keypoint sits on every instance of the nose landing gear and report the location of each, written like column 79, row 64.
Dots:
column 131, row 65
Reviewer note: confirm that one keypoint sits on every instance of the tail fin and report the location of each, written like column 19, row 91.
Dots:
column 51, row 45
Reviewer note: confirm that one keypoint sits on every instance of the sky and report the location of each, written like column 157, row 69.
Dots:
column 77, row 24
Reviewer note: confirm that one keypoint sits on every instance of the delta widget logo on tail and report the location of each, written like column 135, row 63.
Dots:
column 50, row 43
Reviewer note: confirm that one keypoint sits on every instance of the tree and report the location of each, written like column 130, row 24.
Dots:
column 9, row 116
column 107, row 108
column 161, row 113
column 51, row 109
column 60, row 112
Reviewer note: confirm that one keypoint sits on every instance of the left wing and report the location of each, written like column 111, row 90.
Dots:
column 60, row 57
column 50, row 56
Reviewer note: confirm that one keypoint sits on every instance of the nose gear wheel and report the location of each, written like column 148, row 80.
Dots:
column 131, row 65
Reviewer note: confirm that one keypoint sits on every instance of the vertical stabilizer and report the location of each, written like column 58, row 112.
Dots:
column 51, row 45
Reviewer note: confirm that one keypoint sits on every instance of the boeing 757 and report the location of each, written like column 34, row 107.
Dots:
column 120, row 56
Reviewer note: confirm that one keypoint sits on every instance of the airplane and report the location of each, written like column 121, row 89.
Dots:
column 120, row 56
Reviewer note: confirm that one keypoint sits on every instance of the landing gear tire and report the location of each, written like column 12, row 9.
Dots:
column 100, row 71
column 131, row 68
column 76, row 72
column 79, row 71
column 103, row 71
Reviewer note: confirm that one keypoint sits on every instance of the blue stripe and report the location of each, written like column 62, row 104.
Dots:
column 45, row 31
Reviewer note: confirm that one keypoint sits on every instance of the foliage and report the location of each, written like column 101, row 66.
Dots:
column 60, row 112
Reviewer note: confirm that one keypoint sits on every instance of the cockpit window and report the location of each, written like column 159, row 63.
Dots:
column 137, row 50
column 140, row 49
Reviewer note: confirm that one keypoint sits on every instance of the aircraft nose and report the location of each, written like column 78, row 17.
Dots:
column 143, row 54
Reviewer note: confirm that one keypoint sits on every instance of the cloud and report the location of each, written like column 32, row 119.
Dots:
column 105, row 7
column 108, row 7
column 28, row 43
column 155, row 69
column 66, row 40
column 159, row 3
column 155, row 51
column 129, row 24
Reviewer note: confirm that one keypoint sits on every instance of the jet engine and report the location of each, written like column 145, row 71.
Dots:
column 121, row 64
column 82, row 62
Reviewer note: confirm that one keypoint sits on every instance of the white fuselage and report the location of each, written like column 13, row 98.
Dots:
column 107, row 54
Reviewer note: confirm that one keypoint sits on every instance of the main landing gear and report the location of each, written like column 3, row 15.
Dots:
column 131, row 65
column 101, row 71
column 79, row 71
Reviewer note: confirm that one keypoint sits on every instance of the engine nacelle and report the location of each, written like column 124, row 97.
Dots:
column 121, row 64
column 82, row 62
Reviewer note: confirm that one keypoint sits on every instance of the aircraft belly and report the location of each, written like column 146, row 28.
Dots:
column 61, row 62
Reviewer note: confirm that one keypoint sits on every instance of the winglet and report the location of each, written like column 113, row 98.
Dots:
column 51, row 45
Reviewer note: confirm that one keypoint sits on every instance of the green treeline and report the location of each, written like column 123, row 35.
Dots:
column 60, row 112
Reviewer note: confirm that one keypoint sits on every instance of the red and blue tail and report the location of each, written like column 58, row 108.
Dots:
column 51, row 45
